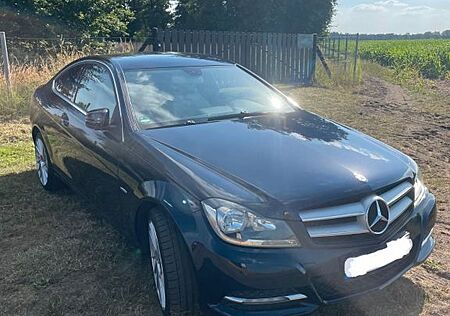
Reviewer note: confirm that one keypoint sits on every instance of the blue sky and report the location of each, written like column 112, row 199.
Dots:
column 392, row 16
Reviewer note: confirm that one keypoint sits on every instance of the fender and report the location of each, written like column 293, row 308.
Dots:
column 178, row 204
column 37, row 129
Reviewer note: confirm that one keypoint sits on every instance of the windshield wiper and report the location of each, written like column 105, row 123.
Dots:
column 178, row 123
column 241, row 115
column 199, row 120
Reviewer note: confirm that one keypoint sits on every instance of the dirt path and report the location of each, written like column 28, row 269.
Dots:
column 421, row 129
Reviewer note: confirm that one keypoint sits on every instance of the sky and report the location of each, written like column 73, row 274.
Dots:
column 391, row 16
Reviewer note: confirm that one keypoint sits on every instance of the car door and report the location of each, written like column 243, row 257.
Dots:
column 58, row 103
column 90, row 156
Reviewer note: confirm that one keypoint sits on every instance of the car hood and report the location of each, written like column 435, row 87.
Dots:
column 297, row 159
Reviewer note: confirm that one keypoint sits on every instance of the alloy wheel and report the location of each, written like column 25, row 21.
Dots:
column 157, row 264
column 41, row 161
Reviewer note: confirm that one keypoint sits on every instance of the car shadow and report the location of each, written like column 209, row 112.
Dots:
column 60, row 257
column 57, row 261
column 403, row 297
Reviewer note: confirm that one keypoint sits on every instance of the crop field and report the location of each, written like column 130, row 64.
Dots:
column 429, row 58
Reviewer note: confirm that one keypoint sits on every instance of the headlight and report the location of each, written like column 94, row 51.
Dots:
column 239, row 226
column 419, row 188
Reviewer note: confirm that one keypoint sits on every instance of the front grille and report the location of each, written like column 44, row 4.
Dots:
column 350, row 219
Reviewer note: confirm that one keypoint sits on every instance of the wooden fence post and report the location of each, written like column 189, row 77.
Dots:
column 6, row 68
column 356, row 56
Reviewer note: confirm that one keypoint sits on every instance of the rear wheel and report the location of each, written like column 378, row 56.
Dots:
column 45, row 172
column 171, row 266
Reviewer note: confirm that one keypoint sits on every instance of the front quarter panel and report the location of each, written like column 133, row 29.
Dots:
column 144, row 185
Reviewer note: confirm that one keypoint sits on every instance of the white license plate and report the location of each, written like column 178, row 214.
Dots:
column 395, row 250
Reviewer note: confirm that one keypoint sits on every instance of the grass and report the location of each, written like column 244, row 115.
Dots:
column 341, row 75
column 16, row 156
column 24, row 80
column 433, row 265
column 58, row 256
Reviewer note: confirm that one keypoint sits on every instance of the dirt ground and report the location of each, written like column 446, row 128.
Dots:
column 419, row 125
column 58, row 257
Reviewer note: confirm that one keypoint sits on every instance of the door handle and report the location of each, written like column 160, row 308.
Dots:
column 64, row 119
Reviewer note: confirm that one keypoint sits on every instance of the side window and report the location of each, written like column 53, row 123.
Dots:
column 96, row 89
column 66, row 82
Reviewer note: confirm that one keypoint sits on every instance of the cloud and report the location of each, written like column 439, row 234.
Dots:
column 367, row 7
column 392, row 3
column 418, row 10
column 392, row 16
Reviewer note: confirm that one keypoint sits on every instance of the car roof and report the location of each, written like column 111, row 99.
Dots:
column 160, row 60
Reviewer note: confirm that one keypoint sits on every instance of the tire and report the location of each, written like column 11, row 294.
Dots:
column 173, row 272
column 45, row 172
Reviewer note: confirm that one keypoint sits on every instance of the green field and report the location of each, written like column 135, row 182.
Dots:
column 429, row 58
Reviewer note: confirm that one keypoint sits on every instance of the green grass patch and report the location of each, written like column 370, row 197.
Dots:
column 16, row 157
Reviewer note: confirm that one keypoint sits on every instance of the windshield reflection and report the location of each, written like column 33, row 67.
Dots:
column 171, row 96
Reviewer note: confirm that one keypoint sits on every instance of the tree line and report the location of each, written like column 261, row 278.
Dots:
column 106, row 18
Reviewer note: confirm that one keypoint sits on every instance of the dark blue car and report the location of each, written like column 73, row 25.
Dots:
column 243, row 202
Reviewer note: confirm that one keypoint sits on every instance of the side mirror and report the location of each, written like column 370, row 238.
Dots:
column 97, row 119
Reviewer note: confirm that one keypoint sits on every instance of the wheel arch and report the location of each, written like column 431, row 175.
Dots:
column 140, row 221
column 35, row 130
column 140, row 218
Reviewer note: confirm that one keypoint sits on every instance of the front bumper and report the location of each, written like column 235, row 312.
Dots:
column 233, row 280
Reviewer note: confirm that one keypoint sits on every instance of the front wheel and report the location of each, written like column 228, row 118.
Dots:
column 171, row 266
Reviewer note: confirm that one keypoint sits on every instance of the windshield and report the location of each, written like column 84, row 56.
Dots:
column 188, row 95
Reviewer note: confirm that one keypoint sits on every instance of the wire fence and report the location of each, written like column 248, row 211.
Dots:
column 340, row 54
column 278, row 57
column 35, row 51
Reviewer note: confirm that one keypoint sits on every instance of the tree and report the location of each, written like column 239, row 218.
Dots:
column 148, row 14
column 88, row 17
column 446, row 34
column 292, row 16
